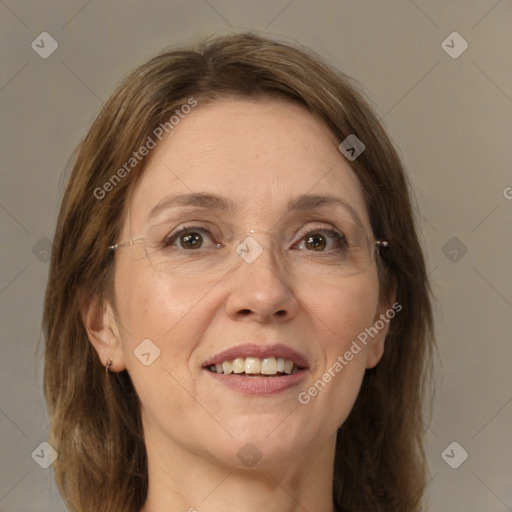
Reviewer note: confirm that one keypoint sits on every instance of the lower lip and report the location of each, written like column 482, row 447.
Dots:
column 262, row 386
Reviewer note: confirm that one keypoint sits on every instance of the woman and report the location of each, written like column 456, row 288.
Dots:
column 238, row 314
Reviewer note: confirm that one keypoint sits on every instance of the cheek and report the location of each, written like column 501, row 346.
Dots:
column 342, row 309
column 347, row 313
column 154, row 302
column 158, row 309
column 169, row 315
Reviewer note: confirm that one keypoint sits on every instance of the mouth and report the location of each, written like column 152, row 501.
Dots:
column 258, row 370
column 256, row 367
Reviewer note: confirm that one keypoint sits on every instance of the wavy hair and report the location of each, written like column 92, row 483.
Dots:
column 95, row 417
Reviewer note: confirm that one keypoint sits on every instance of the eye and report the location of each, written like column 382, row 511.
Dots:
column 323, row 240
column 190, row 238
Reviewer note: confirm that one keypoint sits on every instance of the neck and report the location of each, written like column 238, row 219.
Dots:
column 180, row 480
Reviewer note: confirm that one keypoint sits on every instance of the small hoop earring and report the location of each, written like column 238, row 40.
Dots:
column 107, row 366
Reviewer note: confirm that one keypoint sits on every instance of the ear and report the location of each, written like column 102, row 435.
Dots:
column 386, row 311
column 102, row 330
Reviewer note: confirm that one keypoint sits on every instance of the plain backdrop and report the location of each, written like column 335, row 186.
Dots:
column 450, row 117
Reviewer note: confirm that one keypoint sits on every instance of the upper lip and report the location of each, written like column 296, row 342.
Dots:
column 261, row 351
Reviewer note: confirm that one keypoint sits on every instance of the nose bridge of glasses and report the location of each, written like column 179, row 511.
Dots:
column 254, row 244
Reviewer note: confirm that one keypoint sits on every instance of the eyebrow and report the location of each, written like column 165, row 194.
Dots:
column 304, row 202
column 201, row 200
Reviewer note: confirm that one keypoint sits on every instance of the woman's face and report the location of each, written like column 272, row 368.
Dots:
column 245, row 168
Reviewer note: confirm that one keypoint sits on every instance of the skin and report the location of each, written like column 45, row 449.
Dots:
column 260, row 153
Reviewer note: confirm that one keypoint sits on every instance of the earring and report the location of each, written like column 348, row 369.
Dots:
column 107, row 366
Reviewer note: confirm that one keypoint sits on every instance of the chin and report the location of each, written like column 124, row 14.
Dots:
column 261, row 444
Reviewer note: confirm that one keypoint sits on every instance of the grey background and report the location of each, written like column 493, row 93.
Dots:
column 451, row 119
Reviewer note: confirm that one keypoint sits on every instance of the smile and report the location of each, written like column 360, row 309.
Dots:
column 255, row 366
column 258, row 369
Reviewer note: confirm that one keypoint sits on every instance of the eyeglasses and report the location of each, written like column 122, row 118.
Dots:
column 203, row 249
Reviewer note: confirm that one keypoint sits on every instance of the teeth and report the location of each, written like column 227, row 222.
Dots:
column 252, row 365
column 238, row 365
column 227, row 368
column 269, row 366
column 256, row 366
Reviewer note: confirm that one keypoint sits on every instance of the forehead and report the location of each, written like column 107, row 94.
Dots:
column 260, row 154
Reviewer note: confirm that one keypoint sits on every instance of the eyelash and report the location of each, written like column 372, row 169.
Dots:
column 339, row 238
column 170, row 239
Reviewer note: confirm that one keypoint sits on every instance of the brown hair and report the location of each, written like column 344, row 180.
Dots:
column 95, row 418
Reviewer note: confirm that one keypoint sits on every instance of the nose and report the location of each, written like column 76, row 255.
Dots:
column 260, row 289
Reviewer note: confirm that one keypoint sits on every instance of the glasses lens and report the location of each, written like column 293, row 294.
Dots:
column 314, row 250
